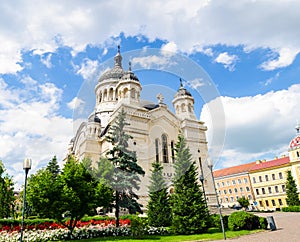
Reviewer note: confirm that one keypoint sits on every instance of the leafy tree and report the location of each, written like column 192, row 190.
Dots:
column 158, row 209
column 7, row 198
column 244, row 202
column 126, row 170
column 44, row 194
column 292, row 198
column 71, row 194
column 53, row 167
column 190, row 214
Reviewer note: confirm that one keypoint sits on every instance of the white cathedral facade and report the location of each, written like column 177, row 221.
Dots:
column 153, row 126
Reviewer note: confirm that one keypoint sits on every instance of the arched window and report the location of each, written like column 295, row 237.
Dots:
column 132, row 93
column 110, row 94
column 156, row 150
column 165, row 148
column 172, row 151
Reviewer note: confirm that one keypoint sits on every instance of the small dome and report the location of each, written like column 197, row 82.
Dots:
column 295, row 142
column 182, row 91
column 117, row 71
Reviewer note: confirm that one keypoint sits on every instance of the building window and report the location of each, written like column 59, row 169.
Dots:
column 273, row 203
column 156, row 150
column 233, row 182
column 226, row 198
column 276, row 189
column 249, row 197
column 257, row 191
column 263, row 190
column 225, row 191
column 173, row 154
column 280, row 175
column 267, row 203
column 165, row 148
column 266, row 177
column 228, row 183
column 223, row 184
column 254, row 180
column 270, row 189
column 237, row 197
column 245, row 180
column 260, row 179
column 230, row 191
column 247, row 189
column 239, row 181
column 218, row 184
column 235, row 190
column 283, row 188
column 241, row 189
column 280, row 202
column 260, row 203
column 273, row 176
column 231, row 199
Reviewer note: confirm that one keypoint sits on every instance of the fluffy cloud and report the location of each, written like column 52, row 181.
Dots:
column 31, row 127
column 256, row 127
column 43, row 26
column 227, row 60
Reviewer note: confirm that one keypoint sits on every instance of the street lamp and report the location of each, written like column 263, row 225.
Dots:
column 202, row 182
column 210, row 166
column 26, row 168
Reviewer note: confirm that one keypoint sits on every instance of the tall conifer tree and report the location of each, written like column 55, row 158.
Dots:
column 125, row 178
column 158, row 210
column 190, row 214
column 292, row 198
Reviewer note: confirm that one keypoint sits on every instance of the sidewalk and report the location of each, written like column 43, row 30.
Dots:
column 288, row 229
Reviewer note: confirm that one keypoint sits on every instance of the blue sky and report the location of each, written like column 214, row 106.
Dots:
column 249, row 49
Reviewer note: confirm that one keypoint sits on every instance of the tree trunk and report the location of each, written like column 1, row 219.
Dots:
column 117, row 212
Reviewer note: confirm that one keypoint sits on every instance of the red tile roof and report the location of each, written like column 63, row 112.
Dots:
column 271, row 163
column 234, row 170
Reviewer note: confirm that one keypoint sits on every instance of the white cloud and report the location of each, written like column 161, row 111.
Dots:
column 46, row 60
column 257, row 127
column 169, row 48
column 76, row 103
column 88, row 69
column 285, row 57
column 247, row 23
column 30, row 125
column 227, row 60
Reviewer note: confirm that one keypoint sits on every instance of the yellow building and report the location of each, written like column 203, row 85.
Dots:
column 268, row 180
column 233, row 183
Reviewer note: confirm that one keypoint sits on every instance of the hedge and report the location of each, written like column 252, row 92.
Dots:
column 246, row 221
column 291, row 209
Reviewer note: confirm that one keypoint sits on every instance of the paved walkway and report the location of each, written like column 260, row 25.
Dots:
column 288, row 229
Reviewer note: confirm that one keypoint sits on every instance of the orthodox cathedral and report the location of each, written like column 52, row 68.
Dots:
column 153, row 126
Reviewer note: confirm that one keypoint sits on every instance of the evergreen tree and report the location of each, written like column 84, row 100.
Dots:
column 292, row 198
column 53, row 167
column 158, row 209
column 7, row 198
column 126, row 170
column 190, row 214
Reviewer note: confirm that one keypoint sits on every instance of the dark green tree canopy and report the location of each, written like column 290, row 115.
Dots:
column 7, row 199
column 190, row 214
column 292, row 194
column 158, row 209
column 126, row 174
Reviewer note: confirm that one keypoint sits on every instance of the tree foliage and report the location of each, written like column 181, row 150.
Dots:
column 292, row 198
column 158, row 209
column 190, row 214
column 7, row 198
column 244, row 202
column 125, row 178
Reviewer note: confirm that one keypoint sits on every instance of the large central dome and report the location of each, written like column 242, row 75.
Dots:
column 117, row 71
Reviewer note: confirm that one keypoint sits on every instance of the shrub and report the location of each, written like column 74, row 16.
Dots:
column 216, row 223
column 291, row 209
column 263, row 223
column 243, row 220
column 138, row 226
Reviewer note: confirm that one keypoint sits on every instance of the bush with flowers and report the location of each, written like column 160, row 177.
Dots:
column 51, row 231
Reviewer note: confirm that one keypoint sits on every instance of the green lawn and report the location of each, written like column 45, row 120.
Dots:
column 177, row 238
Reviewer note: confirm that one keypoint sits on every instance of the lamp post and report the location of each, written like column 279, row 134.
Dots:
column 26, row 168
column 202, row 182
column 210, row 166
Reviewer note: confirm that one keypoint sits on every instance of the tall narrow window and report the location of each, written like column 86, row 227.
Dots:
column 165, row 148
column 156, row 150
column 172, row 151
